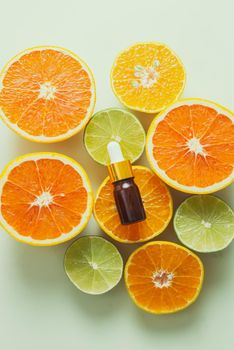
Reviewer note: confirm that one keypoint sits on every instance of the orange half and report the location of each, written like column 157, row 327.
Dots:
column 190, row 146
column 147, row 77
column 163, row 277
column 45, row 198
column 157, row 203
column 47, row 94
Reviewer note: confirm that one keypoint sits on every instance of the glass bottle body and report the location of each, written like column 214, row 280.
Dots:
column 128, row 201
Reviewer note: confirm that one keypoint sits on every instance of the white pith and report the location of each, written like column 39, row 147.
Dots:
column 195, row 146
column 116, row 138
column 162, row 173
column 44, row 200
column 93, row 265
column 162, row 279
column 64, row 236
column 145, row 76
column 206, row 224
column 47, row 91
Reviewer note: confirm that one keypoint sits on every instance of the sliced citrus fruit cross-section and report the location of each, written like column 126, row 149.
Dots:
column 45, row 198
column 47, row 94
column 147, row 77
column 93, row 264
column 163, row 277
column 157, row 203
column 114, row 124
column 190, row 146
column 204, row 223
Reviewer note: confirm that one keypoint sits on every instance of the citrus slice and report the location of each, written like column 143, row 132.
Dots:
column 190, row 146
column 163, row 277
column 114, row 124
column 47, row 94
column 93, row 265
column 204, row 223
column 157, row 203
column 147, row 77
column 45, row 198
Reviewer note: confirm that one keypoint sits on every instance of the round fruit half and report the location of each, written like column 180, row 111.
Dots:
column 93, row 264
column 190, row 146
column 163, row 277
column 204, row 223
column 47, row 94
column 147, row 77
column 157, row 203
column 45, row 198
column 114, row 124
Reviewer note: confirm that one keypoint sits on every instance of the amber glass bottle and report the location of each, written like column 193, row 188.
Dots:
column 126, row 193
column 128, row 201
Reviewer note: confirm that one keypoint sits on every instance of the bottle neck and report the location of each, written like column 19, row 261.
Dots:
column 123, row 180
column 120, row 171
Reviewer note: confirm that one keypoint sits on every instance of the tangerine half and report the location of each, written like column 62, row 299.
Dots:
column 163, row 277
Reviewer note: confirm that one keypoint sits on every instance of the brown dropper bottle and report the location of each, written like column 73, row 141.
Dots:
column 126, row 193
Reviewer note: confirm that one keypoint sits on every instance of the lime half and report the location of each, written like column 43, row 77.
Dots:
column 114, row 124
column 204, row 223
column 93, row 264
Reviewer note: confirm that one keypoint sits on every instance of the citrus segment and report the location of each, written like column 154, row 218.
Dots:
column 157, row 203
column 147, row 77
column 163, row 277
column 45, row 198
column 204, row 223
column 114, row 124
column 191, row 146
column 93, row 264
column 47, row 94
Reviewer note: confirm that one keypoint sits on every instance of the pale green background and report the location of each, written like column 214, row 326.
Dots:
column 39, row 308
